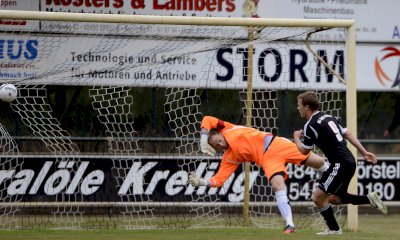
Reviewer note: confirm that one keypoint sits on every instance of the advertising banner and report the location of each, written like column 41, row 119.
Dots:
column 191, row 63
column 382, row 27
column 22, row 5
column 89, row 61
column 220, row 8
column 378, row 67
column 376, row 20
column 165, row 179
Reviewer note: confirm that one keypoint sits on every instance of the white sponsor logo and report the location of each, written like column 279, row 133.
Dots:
column 72, row 177
column 61, row 181
column 176, row 182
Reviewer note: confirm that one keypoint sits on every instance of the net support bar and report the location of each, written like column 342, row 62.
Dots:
column 170, row 20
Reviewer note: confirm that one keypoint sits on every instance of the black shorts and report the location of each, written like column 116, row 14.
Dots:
column 336, row 179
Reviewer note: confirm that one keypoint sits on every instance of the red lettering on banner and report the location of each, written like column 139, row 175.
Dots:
column 86, row 3
column 118, row 3
column 196, row 5
column 137, row 4
column 57, row 2
column 230, row 6
column 200, row 5
column 211, row 6
column 156, row 6
column 99, row 3
column 13, row 22
column 76, row 3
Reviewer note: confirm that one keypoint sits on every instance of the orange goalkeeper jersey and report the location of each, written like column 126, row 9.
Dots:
column 245, row 145
column 250, row 145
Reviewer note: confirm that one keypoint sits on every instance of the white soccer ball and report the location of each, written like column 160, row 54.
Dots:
column 8, row 92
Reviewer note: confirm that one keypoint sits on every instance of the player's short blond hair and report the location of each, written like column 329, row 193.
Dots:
column 309, row 99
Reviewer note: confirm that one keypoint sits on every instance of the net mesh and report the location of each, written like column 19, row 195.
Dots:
column 129, row 98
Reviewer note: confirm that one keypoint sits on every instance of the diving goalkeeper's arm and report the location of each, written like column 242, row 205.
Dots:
column 224, row 172
column 226, row 168
column 207, row 124
column 204, row 146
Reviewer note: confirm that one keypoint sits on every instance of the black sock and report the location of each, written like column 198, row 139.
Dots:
column 327, row 213
column 354, row 199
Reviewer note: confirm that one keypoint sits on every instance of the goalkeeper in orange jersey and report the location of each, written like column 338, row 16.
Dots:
column 245, row 144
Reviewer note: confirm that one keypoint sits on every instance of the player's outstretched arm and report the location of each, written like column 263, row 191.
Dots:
column 296, row 136
column 224, row 172
column 204, row 146
column 368, row 156
column 207, row 124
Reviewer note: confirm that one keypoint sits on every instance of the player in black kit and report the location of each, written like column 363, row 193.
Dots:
column 329, row 135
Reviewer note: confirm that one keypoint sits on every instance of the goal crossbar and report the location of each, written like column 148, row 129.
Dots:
column 173, row 20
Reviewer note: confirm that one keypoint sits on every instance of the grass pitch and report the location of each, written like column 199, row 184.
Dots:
column 370, row 227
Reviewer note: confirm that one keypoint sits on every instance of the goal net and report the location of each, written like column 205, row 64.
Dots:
column 106, row 126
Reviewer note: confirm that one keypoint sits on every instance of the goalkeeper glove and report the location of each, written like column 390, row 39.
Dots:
column 196, row 181
column 205, row 147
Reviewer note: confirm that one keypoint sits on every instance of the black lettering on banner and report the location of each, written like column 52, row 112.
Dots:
column 337, row 59
column 277, row 64
column 298, row 59
column 245, row 62
column 224, row 63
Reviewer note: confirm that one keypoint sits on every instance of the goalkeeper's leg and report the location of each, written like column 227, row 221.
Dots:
column 317, row 162
column 278, row 184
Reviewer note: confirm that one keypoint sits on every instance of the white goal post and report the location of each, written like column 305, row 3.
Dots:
column 129, row 53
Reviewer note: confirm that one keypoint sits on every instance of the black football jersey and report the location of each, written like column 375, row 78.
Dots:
column 326, row 132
